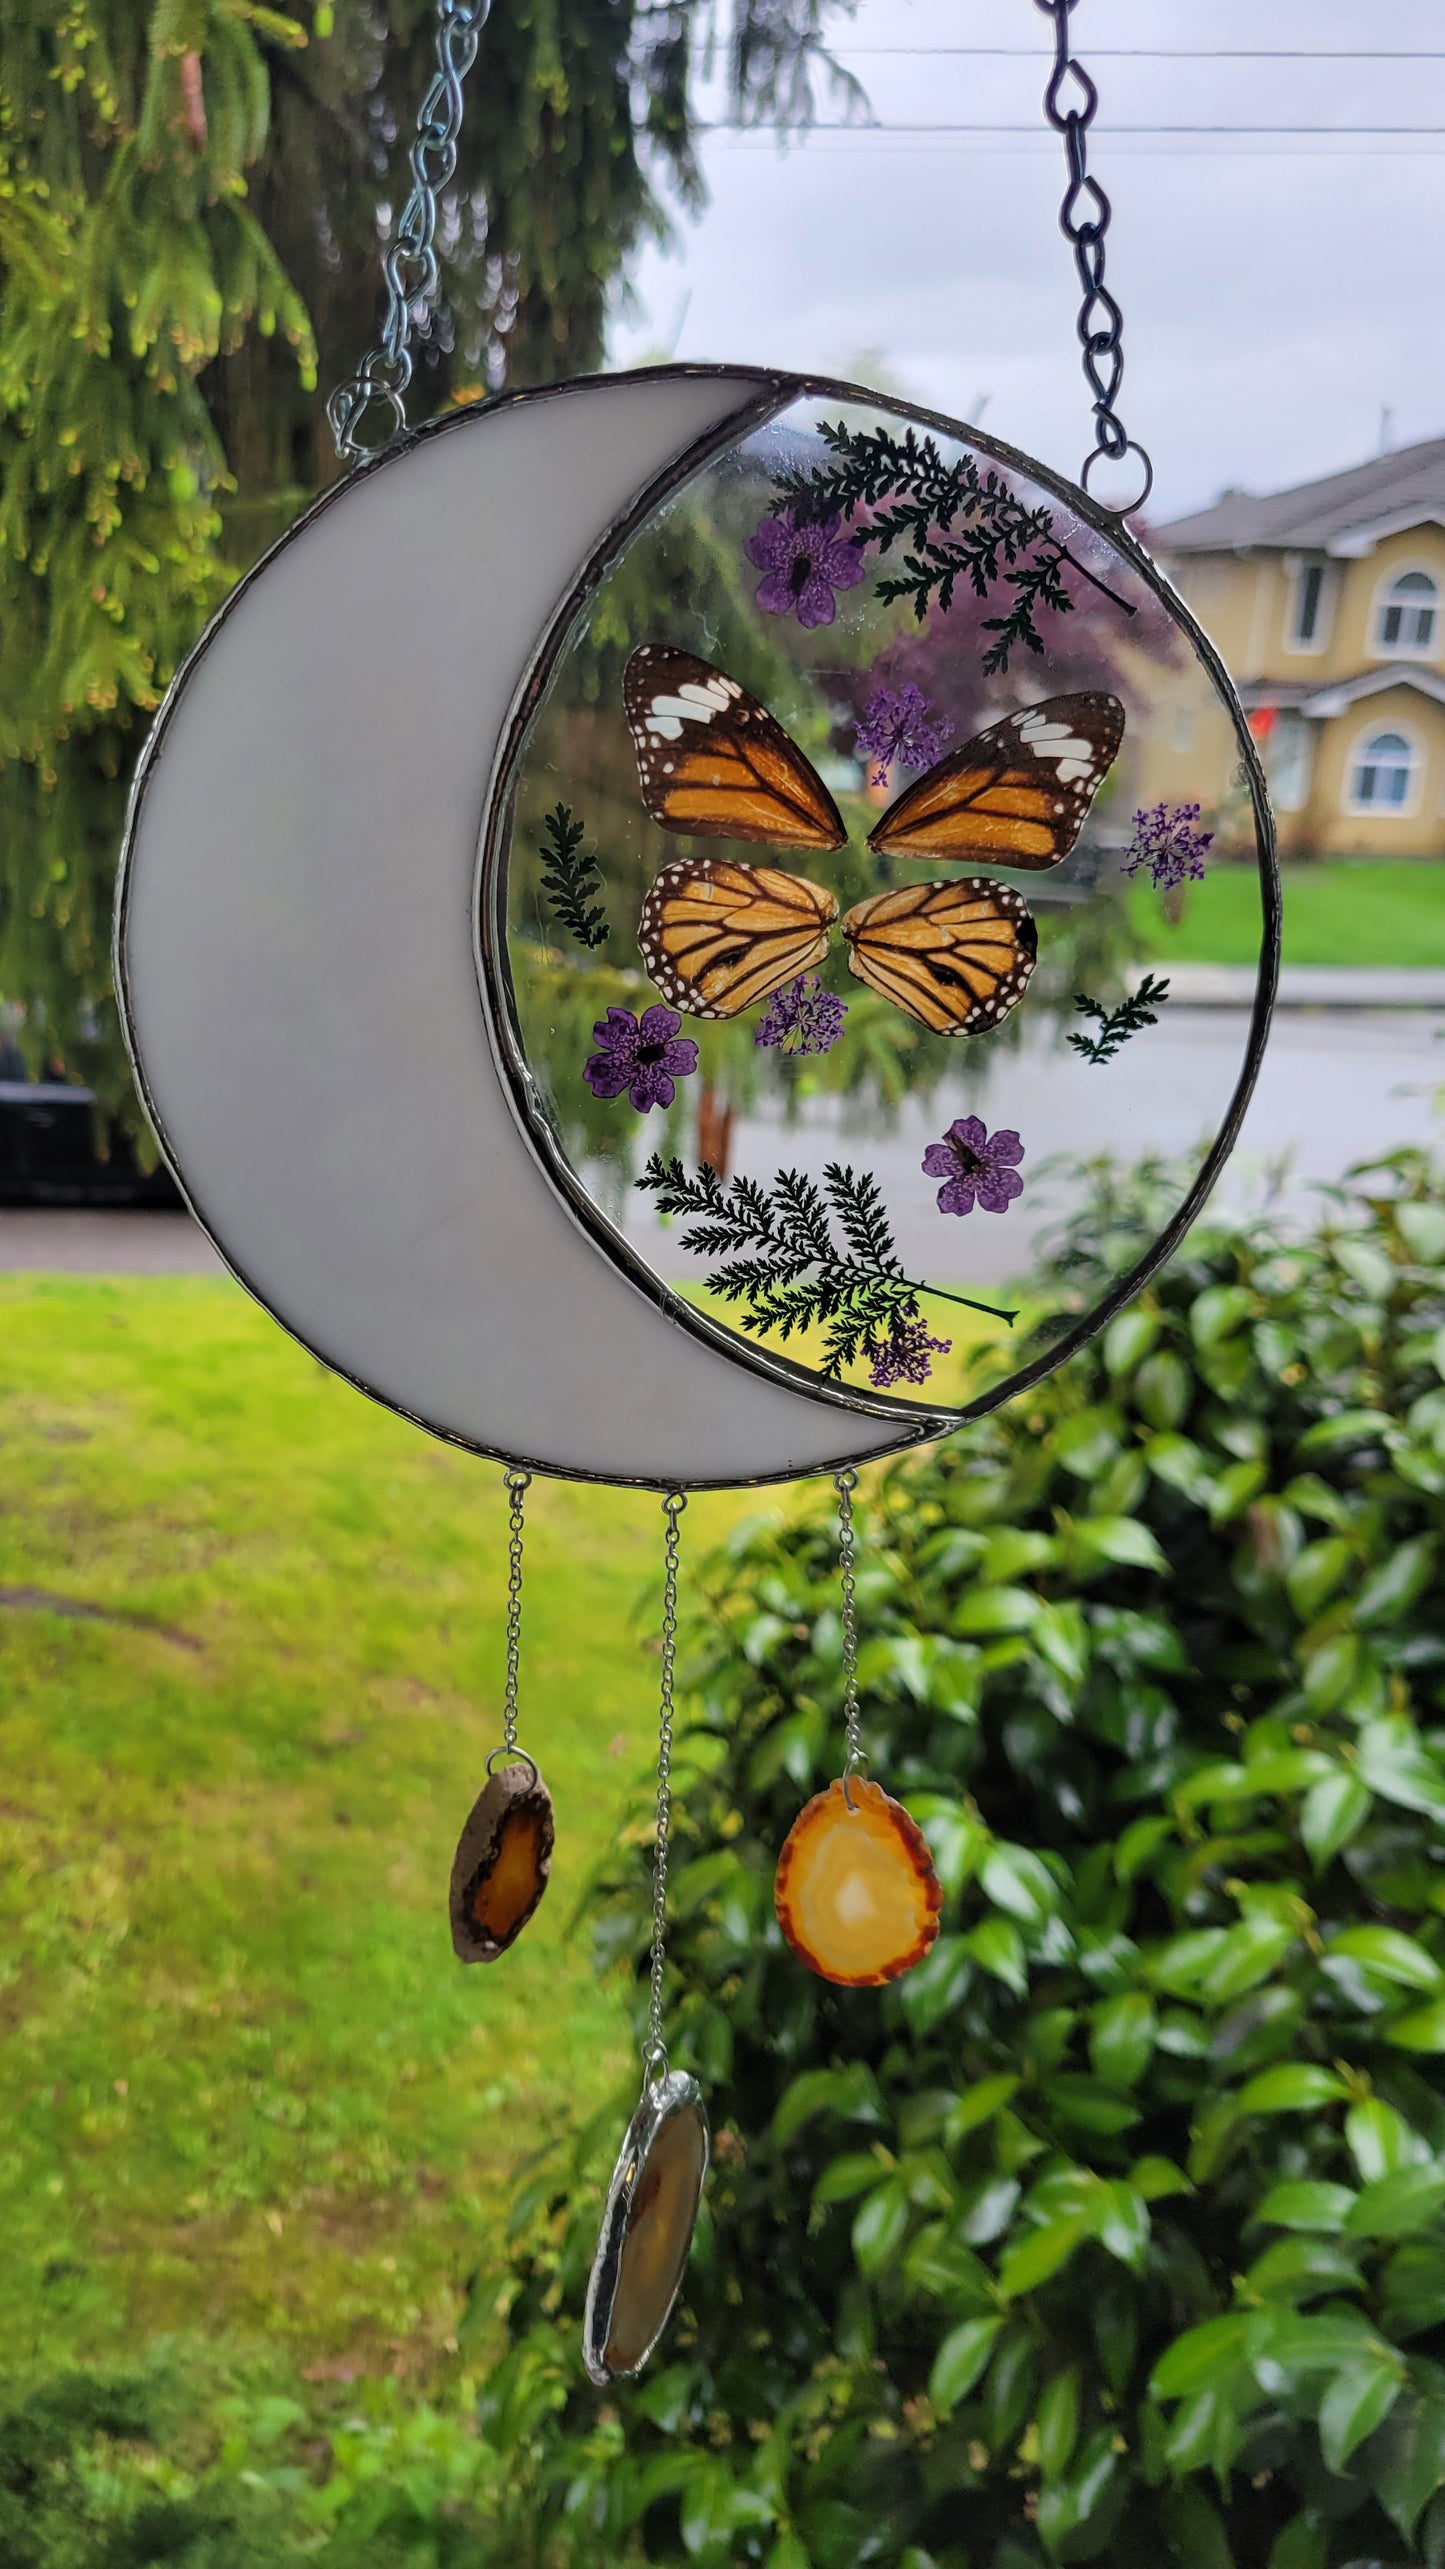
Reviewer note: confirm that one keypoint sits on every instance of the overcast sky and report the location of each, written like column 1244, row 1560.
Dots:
column 1279, row 292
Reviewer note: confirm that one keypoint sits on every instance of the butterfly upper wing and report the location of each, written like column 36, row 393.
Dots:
column 716, row 937
column 957, row 955
column 713, row 763
column 1017, row 794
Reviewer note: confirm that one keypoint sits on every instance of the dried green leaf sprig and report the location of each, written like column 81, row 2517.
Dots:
column 1116, row 1025
column 784, row 1261
column 959, row 522
column 572, row 881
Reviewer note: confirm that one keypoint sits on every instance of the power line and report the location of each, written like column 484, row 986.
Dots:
column 831, row 125
column 1160, row 53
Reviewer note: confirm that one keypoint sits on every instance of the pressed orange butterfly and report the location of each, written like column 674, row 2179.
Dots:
column 718, row 935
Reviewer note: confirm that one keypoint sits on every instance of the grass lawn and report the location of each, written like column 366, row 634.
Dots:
column 245, row 2088
column 1350, row 911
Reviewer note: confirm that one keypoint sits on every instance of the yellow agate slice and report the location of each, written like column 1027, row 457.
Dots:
column 502, row 1862
column 856, row 1893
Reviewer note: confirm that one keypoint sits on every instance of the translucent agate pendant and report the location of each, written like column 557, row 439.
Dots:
column 855, row 1892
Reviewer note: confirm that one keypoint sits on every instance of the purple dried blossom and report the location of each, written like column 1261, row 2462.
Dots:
column 804, row 565
column 896, row 725
column 978, row 1166
column 804, row 1018
column 905, row 1355
column 1168, row 843
column 643, row 1055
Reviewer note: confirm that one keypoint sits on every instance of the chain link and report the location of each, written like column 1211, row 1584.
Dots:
column 845, row 1483
column 409, row 263
column 1084, row 219
column 654, row 2050
column 518, row 1484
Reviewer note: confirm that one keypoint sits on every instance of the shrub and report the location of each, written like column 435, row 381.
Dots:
column 1115, row 2230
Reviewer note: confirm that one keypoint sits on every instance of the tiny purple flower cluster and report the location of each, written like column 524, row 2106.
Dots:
column 804, row 1018
column 804, row 565
column 643, row 1054
column 977, row 1165
column 1169, row 845
column 896, row 725
column 905, row 1355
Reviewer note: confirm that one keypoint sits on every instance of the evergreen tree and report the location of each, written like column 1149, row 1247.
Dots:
column 189, row 202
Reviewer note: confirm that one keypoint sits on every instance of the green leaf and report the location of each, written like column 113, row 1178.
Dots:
column 851, row 2093
column 1065, row 2506
column 1128, row 1339
column 1395, row 1585
column 1018, row 1881
column 844, row 2178
column 1121, row 2038
column 1301, row 2269
column 1032, row 2260
column 1057, row 2421
column 1315, row 1575
column 1294, row 2088
column 1217, row 1311
column 997, row 1944
column 1334, row 1811
column 1381, row 2140
column 1393, row 1762
column 1355, row 2404
column 1392, row 2206
column 977, row 2105
column 880, row 2226
column 1348, row 1427
column 1116, row 1541
column 1204, row 2358
column 987, row 1610
column 1423, row 2030
column 960, row 2360
column 1307, row 2204
column 1411, row 2464
column 1393, row 1956
column 1156, row 2178
column 1162, row 1388
column 1089, row 2104
column 1304, row 2544
column 1247, row 1956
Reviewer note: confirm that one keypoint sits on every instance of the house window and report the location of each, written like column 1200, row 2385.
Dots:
column 1407, row 612
column 1309, row 591
column 1382, row 773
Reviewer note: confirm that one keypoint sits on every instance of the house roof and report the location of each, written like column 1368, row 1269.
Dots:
column 1320, row 704
column 1346, row 513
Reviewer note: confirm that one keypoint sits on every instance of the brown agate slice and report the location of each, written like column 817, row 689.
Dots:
column 856, row 1893
column 646, row 2229
column 502, row 1862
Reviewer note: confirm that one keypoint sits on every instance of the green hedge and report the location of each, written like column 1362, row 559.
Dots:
column 1115, row 2230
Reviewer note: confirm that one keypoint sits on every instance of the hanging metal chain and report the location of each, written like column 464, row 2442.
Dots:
column 518, row 1484
column 845, row 1483
column 409, row 262
column 654, row 2050
column 1084, row 220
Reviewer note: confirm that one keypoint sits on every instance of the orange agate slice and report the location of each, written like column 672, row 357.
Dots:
column 502, row 1862
column 856, row 1893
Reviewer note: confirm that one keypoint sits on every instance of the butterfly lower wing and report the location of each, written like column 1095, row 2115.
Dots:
column 1017, row 794
column 713, row 763
column 957, row 955
column 718, row 937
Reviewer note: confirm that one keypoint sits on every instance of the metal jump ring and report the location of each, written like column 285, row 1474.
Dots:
column 515, row 1757
column 1128, row 507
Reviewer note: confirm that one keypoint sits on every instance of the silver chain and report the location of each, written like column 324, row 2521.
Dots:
column 845, row 1483
column 518, row 1484
column 654, row 2050
column 409, row 262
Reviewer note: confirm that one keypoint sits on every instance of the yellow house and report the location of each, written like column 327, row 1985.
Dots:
column 1327, row 605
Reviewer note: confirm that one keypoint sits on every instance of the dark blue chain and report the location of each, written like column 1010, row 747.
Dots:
column 409, row 263
column 1084, row 220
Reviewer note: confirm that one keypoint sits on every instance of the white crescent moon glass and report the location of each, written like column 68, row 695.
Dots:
column 465, row 717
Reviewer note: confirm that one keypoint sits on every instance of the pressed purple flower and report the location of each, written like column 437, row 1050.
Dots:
column 896, row 725
column 1169, row 845
column 642, row 1054
column 804, row 565
column 905, row 1355
column 804, row 1018
column 978, row 1166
